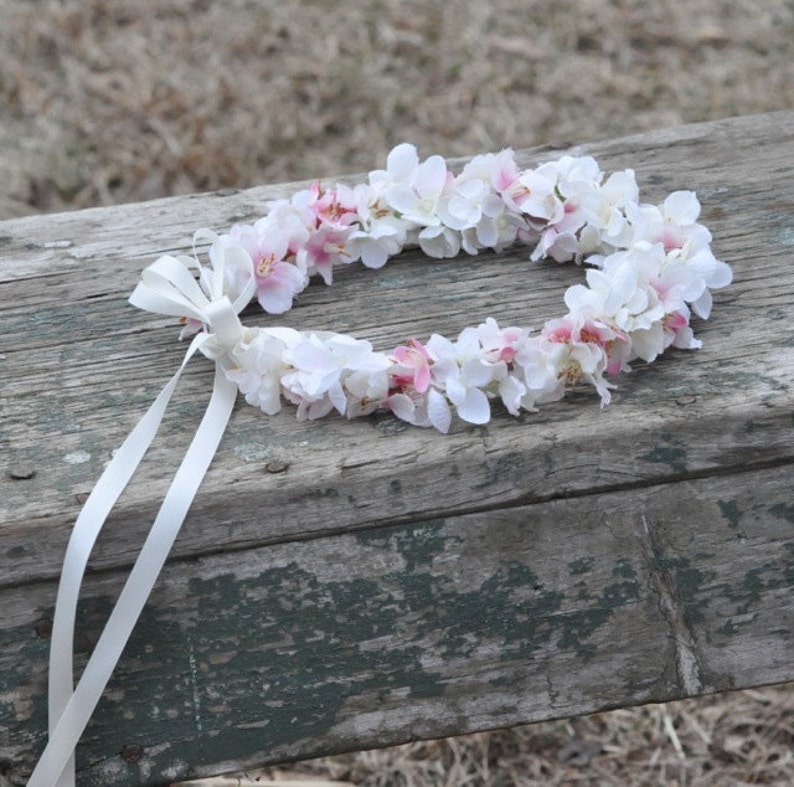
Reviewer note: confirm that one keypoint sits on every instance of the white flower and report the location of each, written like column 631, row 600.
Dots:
column 498, row 169
column 439, row 242
column 497, row 228
column 460, row 371
column 538, row 199
column 380, row 234
column 618, row 294
column 713, row 273
column 673, row 224
column 541, row 373
column 291, row 218
column 561, row 246
column 384, row 239
column 513, row 393
column 500, row 346
column 605, row 207
column 427, row 409
column 413, row 189
column 461, row 206
column 637, row 289
column 592, row 216
column 320, row 364
column 561, row 358
column 490, row 224
column 259, row 365
column 366, row 392
column 408, row 408
column 572, row 173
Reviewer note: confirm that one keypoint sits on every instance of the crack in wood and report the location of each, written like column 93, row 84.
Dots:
column 662, row 580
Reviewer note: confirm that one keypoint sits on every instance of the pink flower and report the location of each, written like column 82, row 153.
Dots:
column 324, row 249
column 505, row 171
column 504, row 178
column 573, row 329
column 593, row 349
column 413, row 366
column 336, row 207
column 276, row 291
column 500, row 344
column 677, row 331
column 277, row 281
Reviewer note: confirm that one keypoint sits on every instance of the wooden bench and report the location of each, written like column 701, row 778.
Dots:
column 343, row 585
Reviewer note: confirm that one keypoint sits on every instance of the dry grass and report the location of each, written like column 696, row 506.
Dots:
column 108, row 101
column 105, row 102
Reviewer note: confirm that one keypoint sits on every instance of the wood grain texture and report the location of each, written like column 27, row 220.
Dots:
column 389, row 583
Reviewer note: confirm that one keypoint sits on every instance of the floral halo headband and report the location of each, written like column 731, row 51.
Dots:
column 650, row 267
column 650, row 264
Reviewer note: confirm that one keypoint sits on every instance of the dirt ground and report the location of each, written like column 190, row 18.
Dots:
column 105, row 101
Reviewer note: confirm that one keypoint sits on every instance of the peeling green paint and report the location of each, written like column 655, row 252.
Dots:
column 27, row 649
column 320, row 493
column 577, row 626
column 674, row 456
column 305, row 651
column 783, row 511
column 388, row 424
column 754, row 581
column 581, row 565
column 299, row 636
column 582, row 593
column 730, row 511
column 620, row 593
column 732, row 626
column 418, row 545
column 285, row 647
column 280, row 654
column 623, row 568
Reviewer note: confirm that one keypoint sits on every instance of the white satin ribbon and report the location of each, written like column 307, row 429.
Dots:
column 167, row 287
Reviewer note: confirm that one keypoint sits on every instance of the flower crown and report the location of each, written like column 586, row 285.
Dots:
column 650, row 264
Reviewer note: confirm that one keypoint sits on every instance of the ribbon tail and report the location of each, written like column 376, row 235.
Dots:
column 70, row 712
column 89, row 523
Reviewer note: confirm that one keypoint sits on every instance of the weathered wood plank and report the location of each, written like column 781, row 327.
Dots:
column 440, row 627
column 68, row 331
column 700, row 444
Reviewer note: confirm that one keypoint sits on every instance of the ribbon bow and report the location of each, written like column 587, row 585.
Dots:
column 168, row 287
column 214, row 300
